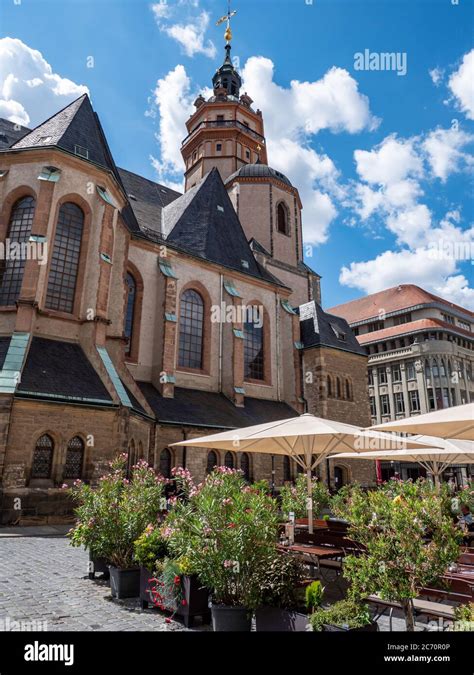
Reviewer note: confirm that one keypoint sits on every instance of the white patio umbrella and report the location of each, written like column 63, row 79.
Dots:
column 456, row 422
column 307, row 439
column 434, row 460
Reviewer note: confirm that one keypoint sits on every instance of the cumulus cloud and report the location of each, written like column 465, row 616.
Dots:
column 190, row 31
column 436, row 75
column 444, row 151
column 30, row 91
column 461, row 85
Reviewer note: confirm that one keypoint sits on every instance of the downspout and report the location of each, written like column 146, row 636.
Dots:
column 221, row 335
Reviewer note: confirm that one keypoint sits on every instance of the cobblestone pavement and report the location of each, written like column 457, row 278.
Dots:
column 45, row 579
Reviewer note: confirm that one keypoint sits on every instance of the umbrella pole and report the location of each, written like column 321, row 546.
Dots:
column 309, row 484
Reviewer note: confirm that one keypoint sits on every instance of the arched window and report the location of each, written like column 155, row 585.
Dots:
column 229, row 460
column 43, row 457
column 245, row 466
column 286, row 468
column 131, row 289
column 348, row 390
column 329, row 383
column 65, row 258
column 165, row 463
column 338, row 388
column 282, row 219
column 19, row 230
column 254, row 346
column 211, row 461
column 191, row 329
column 74, row 458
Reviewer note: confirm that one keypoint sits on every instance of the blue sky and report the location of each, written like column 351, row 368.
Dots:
column 383, row 170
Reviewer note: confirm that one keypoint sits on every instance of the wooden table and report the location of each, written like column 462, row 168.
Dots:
column 314, row 553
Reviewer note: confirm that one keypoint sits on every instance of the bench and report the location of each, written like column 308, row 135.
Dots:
column 435, row 610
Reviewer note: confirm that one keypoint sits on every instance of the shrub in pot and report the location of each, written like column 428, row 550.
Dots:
column 122, row 510
column 226, row 530
column 148, row 549
column 294, row 498
column 409, row 539
column 345, row 615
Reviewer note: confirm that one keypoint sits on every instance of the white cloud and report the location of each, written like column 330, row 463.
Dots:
column 30, row 91
column 190, row 32
column 444, row 151
column 411, row 226
column 392, row 161
column 462, row 87
column 436, row 75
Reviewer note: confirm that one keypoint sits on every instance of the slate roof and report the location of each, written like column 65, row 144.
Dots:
column 325, row 335
column 391, row 300
column 4, row 344
column 10, row 135
column 147, row 199
column 192, row 407
column 75, row 125
column 61, row 370
column 203, row 221
column 136, row 405
column 258, row 171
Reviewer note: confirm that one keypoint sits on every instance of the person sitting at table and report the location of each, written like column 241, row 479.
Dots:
column 466, row 518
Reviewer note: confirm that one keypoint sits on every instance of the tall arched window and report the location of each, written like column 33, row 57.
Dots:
column 74, row 458
column 338, row 388
column 245, row 466
column 211, row 461
column 19, row 230
column 348, row 390
column 191, row 330
column 65, row 258
column 131, row 289
column 229, row 460
column 254, row 346
column 165, row 463
column 329, row 383
column 43, row 457
column 282, row 219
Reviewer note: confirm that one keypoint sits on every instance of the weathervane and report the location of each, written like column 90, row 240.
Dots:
column 227, row 18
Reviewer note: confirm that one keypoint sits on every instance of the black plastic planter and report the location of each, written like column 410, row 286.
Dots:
column 146, row 587
column 124, row 583
column 227, row 619
column 196, row 601
column 274, row 619
column 98, row 566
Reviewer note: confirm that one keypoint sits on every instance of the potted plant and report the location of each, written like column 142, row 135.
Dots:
column 123, row 508
column 409, row 539
column 345, row 615
column 464, row 617
column 226, row 530
column 148, row 549
column 294, row 498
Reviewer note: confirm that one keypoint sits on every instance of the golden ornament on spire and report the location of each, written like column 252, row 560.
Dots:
column 226, row 19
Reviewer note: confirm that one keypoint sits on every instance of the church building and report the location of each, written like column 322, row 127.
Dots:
column 133, row 316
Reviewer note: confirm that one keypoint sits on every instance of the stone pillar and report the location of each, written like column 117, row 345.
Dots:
column 237, row 353
column 169, row 339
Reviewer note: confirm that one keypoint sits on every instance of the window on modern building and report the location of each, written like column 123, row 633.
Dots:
column 286, row 469
column 254, row 357
column 211, row 461
column 464, row 324
column 399, row 402
column 65, row 259
column 191, row 330
column 229, row 460
column 74, row 458
column 382, row 375
column 411, row 370
column 282, row 219
column 435, row 368
column 19, row 230
column 396, row 373
column 431, row 399
column 446, row 401
column 43, row 457
column 453, row 396
column 375, row 325
column 401, row 319
column 370, row 376
column 448, row 318
column 373, row 409
column 442, row 368
column 165, row 463
column 245, row 466
column 385, row 404
column 414, row 399
column 131, row 289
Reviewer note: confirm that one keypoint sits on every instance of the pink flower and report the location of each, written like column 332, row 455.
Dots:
column 227, row 502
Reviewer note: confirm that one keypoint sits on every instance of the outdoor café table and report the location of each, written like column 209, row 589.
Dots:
column 463, row 572
column 314, row 553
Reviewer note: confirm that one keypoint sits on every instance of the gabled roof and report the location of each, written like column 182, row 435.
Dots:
column 147, row 199
column 204, row 222
column 61, row 370
column 10, row 133
column 323, row 330
column 391, row 300
column 193, row 407
column 76, row 125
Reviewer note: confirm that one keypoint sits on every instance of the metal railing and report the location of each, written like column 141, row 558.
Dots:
column 225, row 124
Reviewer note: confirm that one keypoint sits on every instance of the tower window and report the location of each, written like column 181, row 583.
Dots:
column 282, row 219
column 219, row 147
column 247, row 154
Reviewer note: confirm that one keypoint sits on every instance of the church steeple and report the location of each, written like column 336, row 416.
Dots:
column 226, row 76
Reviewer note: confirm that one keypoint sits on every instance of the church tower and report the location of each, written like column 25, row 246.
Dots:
column 225, row 131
